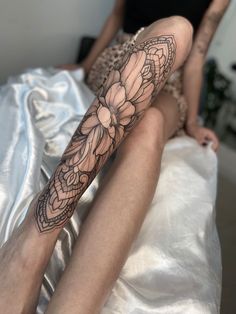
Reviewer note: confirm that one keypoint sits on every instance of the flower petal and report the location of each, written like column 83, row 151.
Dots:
column 104, row 144
column 114, row 77
column 147, row 93
column 131, row 74
column 104, row 116
column 119, row 134
column 88, row 163
column 112, row 131
column 115, row 96
column 88, row 160
column 91, row 122
column 126, row 112
column 146, row 99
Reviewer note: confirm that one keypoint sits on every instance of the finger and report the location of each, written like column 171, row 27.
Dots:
column 202, row 139
column 215, row 144
column 68, row 67
column 212, row 137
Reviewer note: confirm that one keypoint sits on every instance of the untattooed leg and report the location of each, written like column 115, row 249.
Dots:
column 127, row 93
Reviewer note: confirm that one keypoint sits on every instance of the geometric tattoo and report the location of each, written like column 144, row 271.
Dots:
column 119, row 105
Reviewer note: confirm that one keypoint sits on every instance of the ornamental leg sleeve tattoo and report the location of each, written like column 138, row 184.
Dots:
column 121, row 102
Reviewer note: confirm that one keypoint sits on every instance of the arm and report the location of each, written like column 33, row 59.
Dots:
column 193, row 69
column 109, row 30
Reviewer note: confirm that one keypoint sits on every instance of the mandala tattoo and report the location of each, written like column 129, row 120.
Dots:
column 120, row 103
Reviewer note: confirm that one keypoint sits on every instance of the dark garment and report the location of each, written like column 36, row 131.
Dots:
column 140, row 13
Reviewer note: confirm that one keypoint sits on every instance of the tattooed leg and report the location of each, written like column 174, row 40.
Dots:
column 120, row 104
column 115, row 218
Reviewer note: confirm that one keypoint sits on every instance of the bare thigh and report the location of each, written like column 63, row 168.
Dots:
column 168, row 106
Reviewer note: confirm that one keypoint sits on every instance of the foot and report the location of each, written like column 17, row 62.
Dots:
column 23, row 260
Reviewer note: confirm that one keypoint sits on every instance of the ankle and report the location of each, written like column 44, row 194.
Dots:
column 28, row 246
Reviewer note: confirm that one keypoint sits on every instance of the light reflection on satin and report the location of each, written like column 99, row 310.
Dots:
column 174, row 265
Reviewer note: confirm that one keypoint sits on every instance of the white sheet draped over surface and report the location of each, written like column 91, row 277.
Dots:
column 174, row 265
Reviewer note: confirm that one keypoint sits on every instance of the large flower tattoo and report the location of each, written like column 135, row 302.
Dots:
column 136, row 77
column 127, row 92
column 108, row 118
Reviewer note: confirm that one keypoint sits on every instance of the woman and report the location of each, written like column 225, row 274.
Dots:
column 185, row 85
column 128, row 95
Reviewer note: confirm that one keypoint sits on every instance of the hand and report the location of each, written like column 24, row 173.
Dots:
column 69, row 67
column 72, row 67
column 202, row 135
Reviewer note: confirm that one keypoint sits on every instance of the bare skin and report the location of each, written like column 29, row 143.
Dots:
column 31, row 247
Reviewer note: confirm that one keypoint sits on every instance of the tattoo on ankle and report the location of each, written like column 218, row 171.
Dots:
column 120, row 103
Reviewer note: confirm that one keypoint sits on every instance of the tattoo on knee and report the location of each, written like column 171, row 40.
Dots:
column 120, row 103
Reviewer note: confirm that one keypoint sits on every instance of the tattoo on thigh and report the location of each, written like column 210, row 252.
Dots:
column 119, row 105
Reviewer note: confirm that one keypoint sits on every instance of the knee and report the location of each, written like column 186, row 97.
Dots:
column 182, row 31
column 178, row 27
column 181, row 24
column 149, row 133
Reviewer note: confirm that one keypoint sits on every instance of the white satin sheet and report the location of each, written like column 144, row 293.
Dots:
column 174, row 265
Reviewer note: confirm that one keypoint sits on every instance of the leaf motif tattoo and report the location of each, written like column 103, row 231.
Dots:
column 121, row 101
column 207, row 30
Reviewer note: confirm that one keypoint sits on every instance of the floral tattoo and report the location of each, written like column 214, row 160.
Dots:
column 120, row 103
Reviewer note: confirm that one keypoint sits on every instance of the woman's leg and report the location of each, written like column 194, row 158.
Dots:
column 116, row 215
column 125, row 95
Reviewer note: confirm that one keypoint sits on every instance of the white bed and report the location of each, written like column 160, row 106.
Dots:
column 174, row 265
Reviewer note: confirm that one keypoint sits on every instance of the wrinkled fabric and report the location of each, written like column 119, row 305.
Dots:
column 174, row 266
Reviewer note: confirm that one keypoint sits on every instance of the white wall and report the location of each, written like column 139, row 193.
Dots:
column 40, row 33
